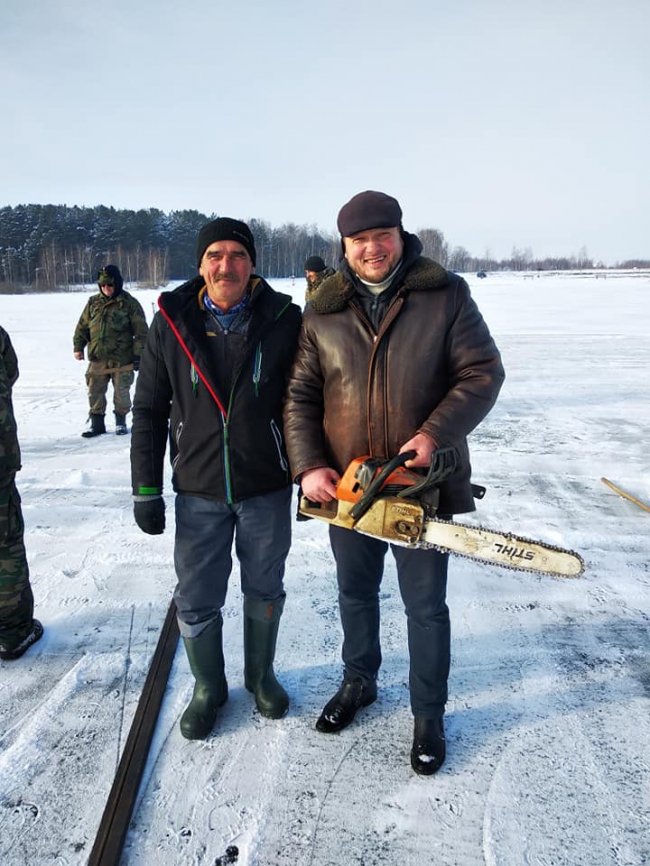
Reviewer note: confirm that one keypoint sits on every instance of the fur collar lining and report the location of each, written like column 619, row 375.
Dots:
column 335, row 293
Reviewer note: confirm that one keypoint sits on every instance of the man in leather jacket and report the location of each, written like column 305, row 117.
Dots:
column 393, row 356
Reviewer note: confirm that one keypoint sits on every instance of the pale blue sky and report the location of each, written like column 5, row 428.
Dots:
column 501, row 123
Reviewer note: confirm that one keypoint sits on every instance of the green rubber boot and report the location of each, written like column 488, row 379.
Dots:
column 261, row 622
column 205, row 655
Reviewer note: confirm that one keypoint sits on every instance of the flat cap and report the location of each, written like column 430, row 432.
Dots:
column 369, row 210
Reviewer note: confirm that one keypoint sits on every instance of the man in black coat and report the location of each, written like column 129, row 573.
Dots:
column 212, row 380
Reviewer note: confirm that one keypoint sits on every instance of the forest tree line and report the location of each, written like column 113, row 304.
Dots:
column 56, row 247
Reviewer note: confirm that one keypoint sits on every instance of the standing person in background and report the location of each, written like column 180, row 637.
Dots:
column 114, row 328
column 315, row 272
column 394, row 356
column 212, row 380
column 18, row 628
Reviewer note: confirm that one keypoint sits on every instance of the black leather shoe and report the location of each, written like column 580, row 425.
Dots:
column 428, row 752
column 342, row 708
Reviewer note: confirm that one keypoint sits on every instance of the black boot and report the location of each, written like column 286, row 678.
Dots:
column 15, row 651
column 97, row 427
column 428, row 752
column 340, row 711
column 120, row 424
column 205, row 654
column 261, row 622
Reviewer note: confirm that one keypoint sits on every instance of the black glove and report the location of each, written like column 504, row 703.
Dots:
column 136, row 363
column 149, row 513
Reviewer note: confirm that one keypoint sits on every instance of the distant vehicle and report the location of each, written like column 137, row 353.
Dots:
column 481, row 275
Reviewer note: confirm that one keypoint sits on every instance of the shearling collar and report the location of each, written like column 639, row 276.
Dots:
column 335, row 293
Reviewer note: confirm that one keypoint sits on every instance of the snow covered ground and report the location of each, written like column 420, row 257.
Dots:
column 548, row 721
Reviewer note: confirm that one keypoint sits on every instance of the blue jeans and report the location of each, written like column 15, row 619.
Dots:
column 205, row 529
column 422, row 577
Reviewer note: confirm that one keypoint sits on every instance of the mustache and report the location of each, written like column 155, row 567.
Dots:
column 228, row 276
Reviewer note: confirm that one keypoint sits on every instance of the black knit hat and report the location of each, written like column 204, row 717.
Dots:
column 110, row 275
column 224, row 229
column 369, row 210
column 315, row 264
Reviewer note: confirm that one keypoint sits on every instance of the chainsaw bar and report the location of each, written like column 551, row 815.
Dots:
column 399, row 521
column 499, row 548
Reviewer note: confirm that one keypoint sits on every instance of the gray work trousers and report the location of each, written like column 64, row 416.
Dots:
column 205, row 529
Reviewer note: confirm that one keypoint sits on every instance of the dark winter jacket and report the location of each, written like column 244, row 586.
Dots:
column 430, row 367
column 114, row 329
column 223, row 446
column 9, row 447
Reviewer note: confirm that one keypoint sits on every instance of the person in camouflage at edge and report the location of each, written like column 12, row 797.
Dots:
column 18, row 628
column 114, row 328
column 315, row 272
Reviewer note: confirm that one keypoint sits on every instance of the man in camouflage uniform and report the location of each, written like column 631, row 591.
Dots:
column 315, row 272
column 114, row 328
column 18, row 628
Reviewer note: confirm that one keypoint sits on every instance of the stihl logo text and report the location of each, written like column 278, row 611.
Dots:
column 515, row 552
column 402, row 509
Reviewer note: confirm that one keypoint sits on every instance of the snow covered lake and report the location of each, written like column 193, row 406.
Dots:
column 548, row 723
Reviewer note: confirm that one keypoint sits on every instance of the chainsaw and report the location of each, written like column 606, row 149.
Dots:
column 386, row 500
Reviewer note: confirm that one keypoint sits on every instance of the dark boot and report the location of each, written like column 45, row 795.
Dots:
column 428, row 752
column 261, row 622
column 205, row 655
column 120, row 424
column 340, row 711
column 15, row 651
column 96, row 427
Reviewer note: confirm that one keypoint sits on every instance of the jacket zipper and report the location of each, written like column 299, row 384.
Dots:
column 376, row 340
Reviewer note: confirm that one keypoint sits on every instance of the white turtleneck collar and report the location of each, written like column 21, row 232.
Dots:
column 378, row 288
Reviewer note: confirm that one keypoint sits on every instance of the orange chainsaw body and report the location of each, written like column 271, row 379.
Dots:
column 362, row 470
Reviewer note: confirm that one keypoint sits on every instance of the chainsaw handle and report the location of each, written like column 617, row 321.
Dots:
column 359, row 508
column 443, row 464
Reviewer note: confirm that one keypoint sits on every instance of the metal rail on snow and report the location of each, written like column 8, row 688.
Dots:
column 115, row 821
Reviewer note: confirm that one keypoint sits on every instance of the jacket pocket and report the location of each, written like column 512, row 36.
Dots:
column 257, row 370
column 12, row 525
column 177, row 433
column 279, row 444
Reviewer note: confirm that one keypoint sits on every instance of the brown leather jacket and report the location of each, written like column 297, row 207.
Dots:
column 432, row 367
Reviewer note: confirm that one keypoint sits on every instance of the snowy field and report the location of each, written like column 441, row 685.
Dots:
column 549, row 715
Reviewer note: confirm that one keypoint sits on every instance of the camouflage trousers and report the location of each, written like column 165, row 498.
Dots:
column 97, row 378
column 16, row 599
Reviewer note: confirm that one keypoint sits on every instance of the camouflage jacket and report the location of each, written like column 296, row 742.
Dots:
column 9, row 448
column 318, row 279
column 114, row 329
